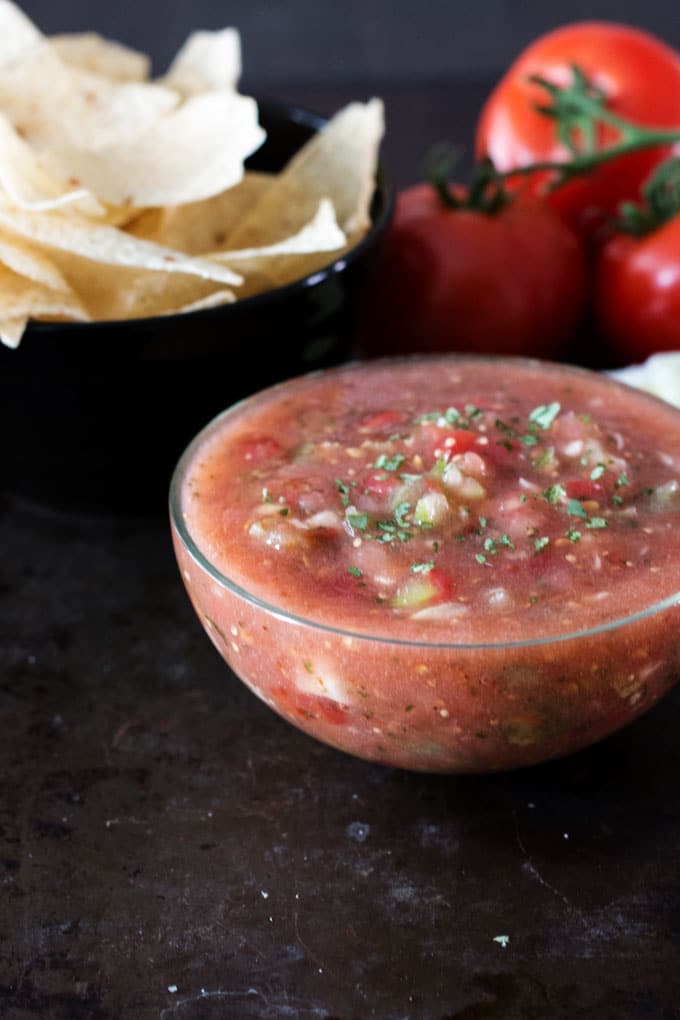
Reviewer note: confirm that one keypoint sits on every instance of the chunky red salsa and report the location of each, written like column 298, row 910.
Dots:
column 429, row 561
column 469, row 501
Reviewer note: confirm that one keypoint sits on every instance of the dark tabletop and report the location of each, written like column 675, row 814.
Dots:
column 171, row 849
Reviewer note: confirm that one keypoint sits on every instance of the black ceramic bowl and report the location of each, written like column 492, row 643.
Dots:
column 94, row 416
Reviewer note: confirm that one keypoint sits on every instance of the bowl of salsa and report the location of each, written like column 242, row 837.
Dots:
column 452, row 564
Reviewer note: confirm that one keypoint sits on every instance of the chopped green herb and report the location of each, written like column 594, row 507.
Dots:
column 528, row 439
column 506, row 541
column 554, row 494
column 432, row 416
column 523, row 498
column 617, row 500
column 541, row 543
column 451, row 415
column 422, row 568
column 400, row 511
column 544, row 415
column 341, row 487
column 355, row 571
column 502, row 427
column 284, row 511
column 597, row 522
column 390, row 463
column 621, row 480
column 574, row 509
column 546, row 458
column 481, row 558
column 490, row 546
column 598, row 471
column 482, row 522
column 405, row 477
column 533, row 599
column 573, row 534
column 358, row 521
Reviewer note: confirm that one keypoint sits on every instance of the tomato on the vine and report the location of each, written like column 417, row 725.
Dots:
column 508, row 281
column 637, row 292
column 640, row 78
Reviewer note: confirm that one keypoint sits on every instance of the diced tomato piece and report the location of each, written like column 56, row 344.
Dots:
column 442, row 582
column 256, row 450
column 584, row 488
column 435, row 442
column 381, row 420
column 381, row 484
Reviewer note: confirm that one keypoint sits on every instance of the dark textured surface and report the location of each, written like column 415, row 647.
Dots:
column 160, row 828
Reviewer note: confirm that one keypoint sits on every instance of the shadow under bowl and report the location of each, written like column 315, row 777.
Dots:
column 95, row 415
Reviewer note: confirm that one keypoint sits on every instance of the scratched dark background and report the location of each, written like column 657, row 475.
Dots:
column 321, row 40
column 169, row 849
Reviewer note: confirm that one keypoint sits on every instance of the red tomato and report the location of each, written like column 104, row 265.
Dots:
column 637, row 293
column 640, row 76
column 583, row 488
column 462, row 280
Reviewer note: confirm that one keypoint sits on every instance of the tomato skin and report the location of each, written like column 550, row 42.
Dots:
column 637, row 293
column 639, row 74
column 461, row 280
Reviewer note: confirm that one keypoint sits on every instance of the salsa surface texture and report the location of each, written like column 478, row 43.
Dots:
column 445, row 500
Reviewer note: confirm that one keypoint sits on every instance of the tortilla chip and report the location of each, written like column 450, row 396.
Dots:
column 22, row 299
column 207, row 61
column 107, row 245
column 12, row 331
column 199, row 227
column 91, row 52
column 339, row 163
column 29, row 262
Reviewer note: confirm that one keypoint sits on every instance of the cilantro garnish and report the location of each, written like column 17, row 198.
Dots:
column 472, row 411
column 545, row 458
column 481, row 558
column 574, row 509
column 573, row 534
column 341, row 487
column 400, row 511
column 544, row 415
column 541, row 543
column 451, row 414
column 554, row 494
column 597, row 522
column 528, row 440
column 502, row 427
column 422, row 568
column 355, row 571
column 390, row 463
column 359, row 521
column 284, row 511
column 621, row 480
column 598, row 471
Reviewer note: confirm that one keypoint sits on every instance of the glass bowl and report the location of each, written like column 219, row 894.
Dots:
column 425, row 705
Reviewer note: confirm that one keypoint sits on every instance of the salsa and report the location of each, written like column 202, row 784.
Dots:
column 481, row 505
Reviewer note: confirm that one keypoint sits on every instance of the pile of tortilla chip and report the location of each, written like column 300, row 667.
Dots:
column 125, row 197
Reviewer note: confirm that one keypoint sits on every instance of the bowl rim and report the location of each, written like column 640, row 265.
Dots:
column 384, row 192
column 179, row 526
